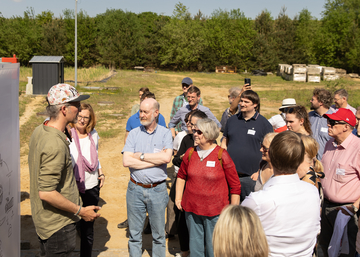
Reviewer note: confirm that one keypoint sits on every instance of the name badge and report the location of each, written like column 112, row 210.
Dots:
column 325, row 130
column 251, row 132
column 340, row 172
column 210, row 164
column 156, row 150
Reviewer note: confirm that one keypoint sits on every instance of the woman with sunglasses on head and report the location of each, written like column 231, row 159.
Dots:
column 208, row 172
column 266, row 171
column 297, row 120
column 87, row 170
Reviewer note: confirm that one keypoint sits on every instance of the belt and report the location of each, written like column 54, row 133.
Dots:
column 146, row 185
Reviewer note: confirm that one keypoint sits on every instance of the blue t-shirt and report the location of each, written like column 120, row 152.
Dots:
column 319, row 129
column 134, row 121
column 244, row 139
column 140, row 141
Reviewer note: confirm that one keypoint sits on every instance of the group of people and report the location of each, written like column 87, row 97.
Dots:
column 272, row 187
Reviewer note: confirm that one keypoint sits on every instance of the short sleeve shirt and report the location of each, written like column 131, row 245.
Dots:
column 134, row 121
column 139, row 140
column 244, row 138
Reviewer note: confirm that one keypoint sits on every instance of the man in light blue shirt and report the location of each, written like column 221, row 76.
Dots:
column 320, row 104
column 147, row 151
column 193, row 96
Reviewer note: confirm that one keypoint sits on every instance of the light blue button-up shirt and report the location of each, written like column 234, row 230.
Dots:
column 319, row 129
column 139, row 140
column 180, row 116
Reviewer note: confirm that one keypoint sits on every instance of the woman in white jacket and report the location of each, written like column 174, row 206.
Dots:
column 87, row 169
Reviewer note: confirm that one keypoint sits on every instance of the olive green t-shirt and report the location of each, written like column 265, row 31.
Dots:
column 50, row 169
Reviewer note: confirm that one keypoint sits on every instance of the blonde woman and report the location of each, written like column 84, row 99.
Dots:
column 266, row 171
column 311, row 169
column 239, row 232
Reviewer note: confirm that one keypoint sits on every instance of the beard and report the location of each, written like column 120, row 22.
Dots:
column 147, row 122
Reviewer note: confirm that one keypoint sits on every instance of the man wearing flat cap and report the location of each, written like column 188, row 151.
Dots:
column 181, row 100
column 54, row 196
column 341, row 160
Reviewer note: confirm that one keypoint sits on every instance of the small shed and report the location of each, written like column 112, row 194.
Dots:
column 47, row 71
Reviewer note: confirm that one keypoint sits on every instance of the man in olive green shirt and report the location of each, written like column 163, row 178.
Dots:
column 54, row 196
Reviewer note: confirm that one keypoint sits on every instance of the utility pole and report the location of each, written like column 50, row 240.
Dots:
column 75, row 43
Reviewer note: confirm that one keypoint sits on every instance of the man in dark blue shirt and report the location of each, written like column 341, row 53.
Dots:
column 243, row 135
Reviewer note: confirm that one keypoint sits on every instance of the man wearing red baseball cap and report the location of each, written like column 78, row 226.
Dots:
column 341, row 160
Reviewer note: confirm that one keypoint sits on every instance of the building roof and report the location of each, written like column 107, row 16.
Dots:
column 47, row 59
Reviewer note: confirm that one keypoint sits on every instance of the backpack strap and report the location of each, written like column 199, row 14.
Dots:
column 220, row 156
column 191, row 152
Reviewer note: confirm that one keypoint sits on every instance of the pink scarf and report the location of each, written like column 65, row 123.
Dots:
column 82, row 164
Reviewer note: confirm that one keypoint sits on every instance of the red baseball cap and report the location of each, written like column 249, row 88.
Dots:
column 343, row 115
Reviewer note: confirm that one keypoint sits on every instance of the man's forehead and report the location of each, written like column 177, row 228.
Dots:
column 245, row 99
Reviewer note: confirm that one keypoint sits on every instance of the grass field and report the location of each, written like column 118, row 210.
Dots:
column 125, row 84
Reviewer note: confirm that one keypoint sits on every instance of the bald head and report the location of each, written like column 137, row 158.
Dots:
column 150, row 103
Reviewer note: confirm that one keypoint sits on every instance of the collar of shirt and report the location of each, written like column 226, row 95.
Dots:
column 229, row 113
column 256, row 115
column 142, row 128
column 282, row 179
column 346, row 142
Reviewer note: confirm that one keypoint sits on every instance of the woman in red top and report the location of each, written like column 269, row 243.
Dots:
column 208, row 175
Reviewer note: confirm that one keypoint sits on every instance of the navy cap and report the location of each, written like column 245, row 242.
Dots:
column 187, row 81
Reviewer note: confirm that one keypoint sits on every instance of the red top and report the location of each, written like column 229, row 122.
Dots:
column 206, row 192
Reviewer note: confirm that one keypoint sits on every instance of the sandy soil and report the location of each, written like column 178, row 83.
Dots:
column 113, row 202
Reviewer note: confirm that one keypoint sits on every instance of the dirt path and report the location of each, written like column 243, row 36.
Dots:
column 30, row 109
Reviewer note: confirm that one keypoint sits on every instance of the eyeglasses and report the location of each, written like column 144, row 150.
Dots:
column 84, row 118
column 264, row 148
column 197, row 131
column 185, row 85
column 334, row 122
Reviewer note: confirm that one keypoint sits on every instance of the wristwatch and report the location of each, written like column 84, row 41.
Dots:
column 142, row 156
column 354, row 208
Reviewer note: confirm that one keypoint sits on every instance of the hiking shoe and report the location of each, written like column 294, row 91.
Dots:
column 124, row 224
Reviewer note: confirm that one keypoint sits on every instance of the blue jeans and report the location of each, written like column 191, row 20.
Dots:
column 61, row 243
column 200, row 233
column 154, row 201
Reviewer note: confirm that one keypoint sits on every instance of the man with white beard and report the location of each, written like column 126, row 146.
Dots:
column 147, row 150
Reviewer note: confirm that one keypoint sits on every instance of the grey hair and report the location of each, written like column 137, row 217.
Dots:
column 234, row 92
column 54, row 110
column 342, row 93
column 209, row 128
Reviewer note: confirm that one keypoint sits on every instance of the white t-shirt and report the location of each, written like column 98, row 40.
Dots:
column 91, row 178
column 278, row 121
column 289, row 211
column 176, row 144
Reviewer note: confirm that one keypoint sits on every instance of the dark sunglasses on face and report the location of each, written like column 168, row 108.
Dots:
column 185, row 85
column 197, row 131
column 264, row 148
column 334, row 122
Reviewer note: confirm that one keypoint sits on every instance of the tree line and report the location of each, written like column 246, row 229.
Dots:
column 122, row 39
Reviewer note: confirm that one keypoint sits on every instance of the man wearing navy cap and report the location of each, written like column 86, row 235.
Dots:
column 181, row 100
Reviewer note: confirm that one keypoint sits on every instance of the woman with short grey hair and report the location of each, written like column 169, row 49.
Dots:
column 208, row 171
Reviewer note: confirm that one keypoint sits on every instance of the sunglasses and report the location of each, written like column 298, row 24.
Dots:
column 293, row 109
column 199, row 132
column 334, row 122
column 185, row 85
column 264, row 148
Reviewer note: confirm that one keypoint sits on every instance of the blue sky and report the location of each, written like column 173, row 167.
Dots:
column 251, row 8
